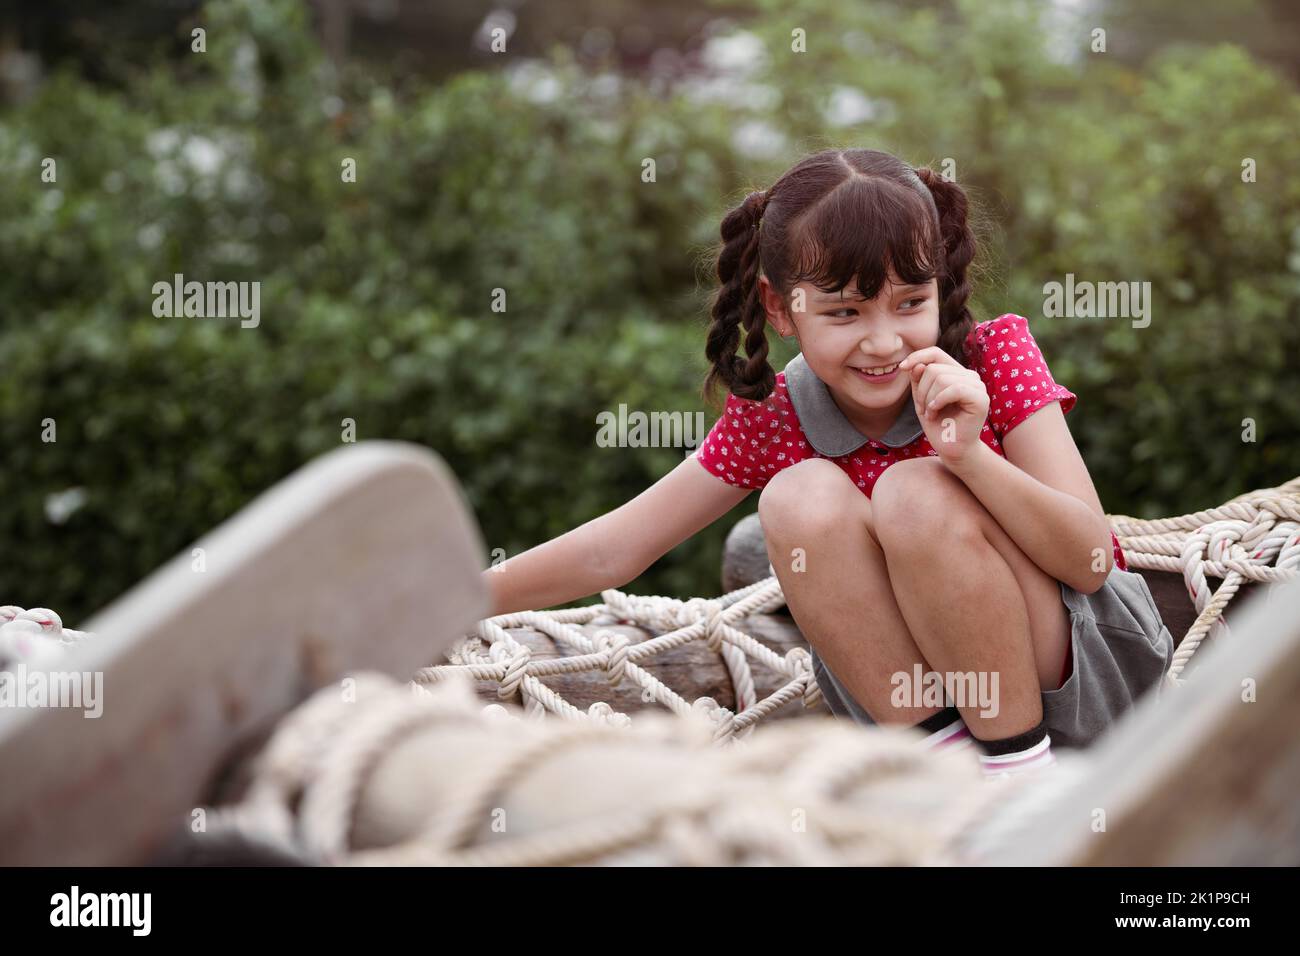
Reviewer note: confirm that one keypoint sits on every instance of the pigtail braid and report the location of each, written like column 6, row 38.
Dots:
column 737, row 305
column 955, row 319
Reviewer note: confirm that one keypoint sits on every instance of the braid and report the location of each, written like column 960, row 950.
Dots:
column 737, row 305
column 955, row 319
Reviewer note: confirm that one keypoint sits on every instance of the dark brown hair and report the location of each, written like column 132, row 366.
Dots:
column 834, row 216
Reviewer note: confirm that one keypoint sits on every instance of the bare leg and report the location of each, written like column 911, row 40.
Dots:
column 970, row 596
column 818, row 527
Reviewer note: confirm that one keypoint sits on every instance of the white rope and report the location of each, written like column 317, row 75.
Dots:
column 712, row 620
column 1255, row 537
column 803, row 793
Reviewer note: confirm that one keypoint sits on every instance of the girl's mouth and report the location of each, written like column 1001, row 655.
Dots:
column 878, row 379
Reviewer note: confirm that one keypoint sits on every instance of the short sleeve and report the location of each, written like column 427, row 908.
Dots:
column 1015, row 373
column 736, row 448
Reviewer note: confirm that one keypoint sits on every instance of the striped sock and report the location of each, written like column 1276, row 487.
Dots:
column 1031, row 750
column 945, row 730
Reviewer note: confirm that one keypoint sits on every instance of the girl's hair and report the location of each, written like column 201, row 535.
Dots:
column 834, row 216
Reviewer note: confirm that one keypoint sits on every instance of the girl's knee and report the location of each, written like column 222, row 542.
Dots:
column 920, row 501
column 805, row 498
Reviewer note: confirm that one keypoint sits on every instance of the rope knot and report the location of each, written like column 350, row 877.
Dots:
column 721, row 718
column 619, row 605
column 695, row 609
column 799, row 663
column 616, row 646
column 516, row 668
column 715, row 625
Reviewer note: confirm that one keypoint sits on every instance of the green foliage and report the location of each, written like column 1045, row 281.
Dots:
column 1084, row 166
column 376, row 295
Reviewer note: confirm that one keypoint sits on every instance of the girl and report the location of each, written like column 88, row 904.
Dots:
column 922, row 501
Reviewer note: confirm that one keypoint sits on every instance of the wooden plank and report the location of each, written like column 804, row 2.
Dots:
column 367, row 558
column 1198, row 776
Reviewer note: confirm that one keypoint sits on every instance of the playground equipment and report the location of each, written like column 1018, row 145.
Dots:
column 259, row 706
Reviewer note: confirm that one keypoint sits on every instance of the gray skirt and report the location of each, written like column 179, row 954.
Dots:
column 1121, row 650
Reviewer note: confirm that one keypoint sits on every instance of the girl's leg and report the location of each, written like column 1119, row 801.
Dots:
column 972, row 598
column 820, row 538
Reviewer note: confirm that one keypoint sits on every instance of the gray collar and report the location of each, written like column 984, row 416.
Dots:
column 827, row 429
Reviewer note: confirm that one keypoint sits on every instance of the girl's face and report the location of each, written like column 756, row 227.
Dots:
column 841, row 335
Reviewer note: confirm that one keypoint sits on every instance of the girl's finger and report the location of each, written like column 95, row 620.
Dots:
column 935, row 378
column 929, row 354
column 957, row 392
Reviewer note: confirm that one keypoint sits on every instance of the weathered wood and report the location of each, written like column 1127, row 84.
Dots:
column 367, row 558
column 1203, row 775
column 744, row 555
column 691, row 670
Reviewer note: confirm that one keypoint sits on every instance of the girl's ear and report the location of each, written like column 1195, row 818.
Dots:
column 775, row 308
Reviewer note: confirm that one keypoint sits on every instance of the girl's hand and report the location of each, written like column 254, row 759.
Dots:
column 951, row 402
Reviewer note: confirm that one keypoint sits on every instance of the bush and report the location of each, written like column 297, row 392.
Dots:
column 376, row 295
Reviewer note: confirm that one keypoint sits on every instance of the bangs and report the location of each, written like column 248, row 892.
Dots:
column 861, row 230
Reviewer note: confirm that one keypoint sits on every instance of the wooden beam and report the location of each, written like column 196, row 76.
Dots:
column 1206, row 774
column 367, row 558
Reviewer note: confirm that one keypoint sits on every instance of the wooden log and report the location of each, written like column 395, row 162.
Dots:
column 367, row 558
column 744, row 555
column 1203, row 775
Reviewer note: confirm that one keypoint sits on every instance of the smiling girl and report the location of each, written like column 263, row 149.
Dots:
column 921, row 497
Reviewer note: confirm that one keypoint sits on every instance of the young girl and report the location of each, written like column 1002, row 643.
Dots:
column 923, row 503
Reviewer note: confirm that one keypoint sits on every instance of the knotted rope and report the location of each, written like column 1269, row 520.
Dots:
column 1253, row 537
column 711, row 620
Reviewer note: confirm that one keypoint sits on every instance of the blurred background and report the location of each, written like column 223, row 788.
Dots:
column 478, row 169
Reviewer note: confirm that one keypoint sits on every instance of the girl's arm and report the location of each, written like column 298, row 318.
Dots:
column 1043, row 497
column 615, row 548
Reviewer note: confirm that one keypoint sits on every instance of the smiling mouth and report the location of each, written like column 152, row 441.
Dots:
column 876, row 370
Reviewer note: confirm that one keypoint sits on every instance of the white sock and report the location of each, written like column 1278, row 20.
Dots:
column 1034, row 757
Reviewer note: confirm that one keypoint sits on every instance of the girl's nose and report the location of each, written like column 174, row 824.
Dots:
column 883, row 346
